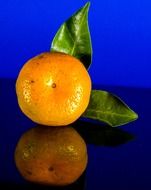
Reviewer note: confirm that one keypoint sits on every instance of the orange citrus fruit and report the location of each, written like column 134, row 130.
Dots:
column 51, row 156
column 53, row 89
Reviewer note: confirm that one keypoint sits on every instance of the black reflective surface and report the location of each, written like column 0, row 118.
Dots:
column 119, row 158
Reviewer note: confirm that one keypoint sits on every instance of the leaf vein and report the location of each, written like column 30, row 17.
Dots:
column 108, row 113
column 75, row 42
column 69, row 33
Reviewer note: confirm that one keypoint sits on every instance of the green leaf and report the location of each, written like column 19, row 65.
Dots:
column 73, row 37
column 109, row 108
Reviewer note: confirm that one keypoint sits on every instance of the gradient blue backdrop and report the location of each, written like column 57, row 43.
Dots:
column 120, row 30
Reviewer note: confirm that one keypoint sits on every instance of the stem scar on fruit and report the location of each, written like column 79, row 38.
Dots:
column 53, row 85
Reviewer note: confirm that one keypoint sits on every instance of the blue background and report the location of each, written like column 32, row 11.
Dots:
column 120, row 30
column 121, row 37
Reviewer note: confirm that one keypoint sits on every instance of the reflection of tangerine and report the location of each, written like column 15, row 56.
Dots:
column 52, row 156
column 53, row 89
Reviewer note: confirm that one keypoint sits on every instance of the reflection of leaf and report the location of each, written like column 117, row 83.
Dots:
column 73, row 37
column 78, row 185
column 102, row 135
column 108, row 108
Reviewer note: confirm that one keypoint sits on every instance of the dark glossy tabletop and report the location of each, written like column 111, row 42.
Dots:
column 119, row 158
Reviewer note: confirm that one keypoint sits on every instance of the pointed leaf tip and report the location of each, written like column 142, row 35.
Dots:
column 87, row 5
column 135, row 116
